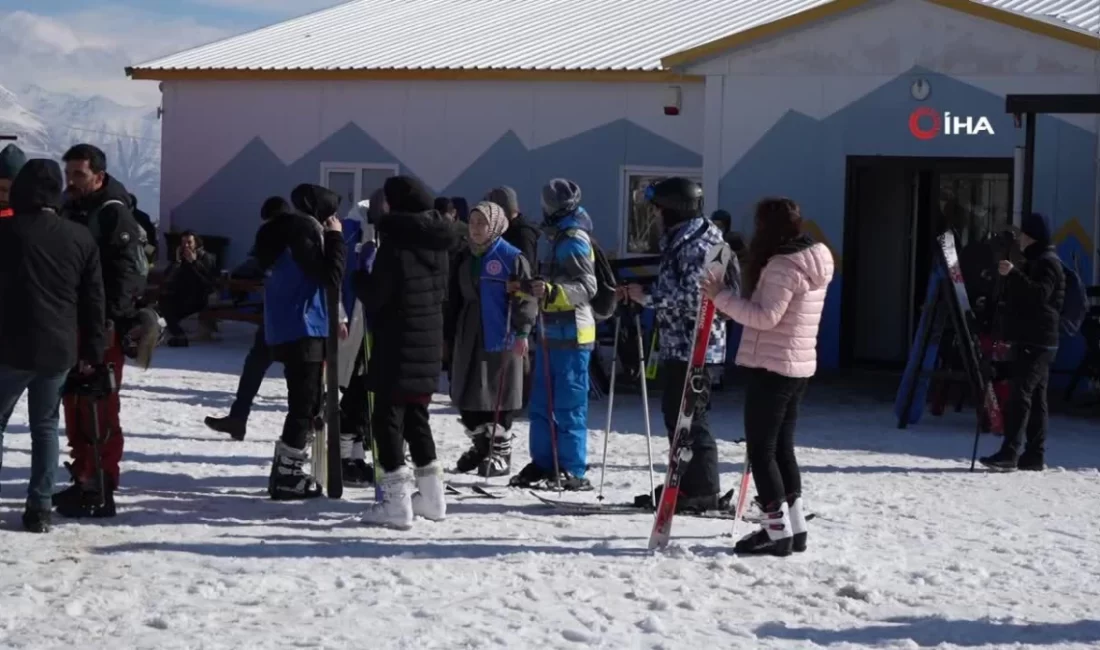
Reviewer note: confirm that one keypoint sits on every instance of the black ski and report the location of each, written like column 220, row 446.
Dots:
column 575, row 508
column 333, row 464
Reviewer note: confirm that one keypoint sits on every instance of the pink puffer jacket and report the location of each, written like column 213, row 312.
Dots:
column 782, row 318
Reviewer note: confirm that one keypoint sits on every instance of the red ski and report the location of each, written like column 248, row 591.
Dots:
column 695, row 383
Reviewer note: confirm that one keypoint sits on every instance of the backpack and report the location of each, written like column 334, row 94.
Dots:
column 143, row 240
column 606, row 301
column 1075, row 304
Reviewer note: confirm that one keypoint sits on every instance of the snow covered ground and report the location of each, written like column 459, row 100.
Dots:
column 909, row 549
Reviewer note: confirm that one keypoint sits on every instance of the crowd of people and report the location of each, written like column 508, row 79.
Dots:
column 422, row 289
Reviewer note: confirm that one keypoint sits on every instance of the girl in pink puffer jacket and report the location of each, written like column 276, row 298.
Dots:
column 786, row 279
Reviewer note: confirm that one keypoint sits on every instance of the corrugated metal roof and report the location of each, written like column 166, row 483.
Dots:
column 516, row 34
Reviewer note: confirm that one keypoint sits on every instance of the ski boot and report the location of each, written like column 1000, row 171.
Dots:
column 530, row 477
column 357, row 473
column 684, row 503
column 395, row 510
column 475, row 456
column 774, row 536
column 430, row 500
column 235, row 427
column 499, row 461
column 288, row 480
column 798, row 523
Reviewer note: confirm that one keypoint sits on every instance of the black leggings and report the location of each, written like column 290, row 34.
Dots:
column 771, row 411
column 474, row 419
column 395, row 421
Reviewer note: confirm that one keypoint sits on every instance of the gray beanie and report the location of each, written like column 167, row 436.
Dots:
column 12, row 160
column 560, row 196
column 506, row 198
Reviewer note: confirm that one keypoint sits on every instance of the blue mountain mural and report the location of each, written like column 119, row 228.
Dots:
column 228, row 203
column 806, row 159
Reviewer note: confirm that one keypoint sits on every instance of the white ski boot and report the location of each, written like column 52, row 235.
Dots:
column 430, row 500
column 395, row 509
column 774, row 536
column 798, row 524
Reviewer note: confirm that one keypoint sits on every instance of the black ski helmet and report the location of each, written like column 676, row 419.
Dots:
column 678, row 194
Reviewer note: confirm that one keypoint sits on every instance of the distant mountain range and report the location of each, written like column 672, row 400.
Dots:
column 47, row 123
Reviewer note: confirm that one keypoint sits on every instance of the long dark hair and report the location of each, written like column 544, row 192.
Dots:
column 777, row 222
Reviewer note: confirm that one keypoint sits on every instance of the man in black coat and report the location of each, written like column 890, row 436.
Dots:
column 188, row 283
column 101, row 204
column 1034, row 296
column 402, row 298
column 51, row 293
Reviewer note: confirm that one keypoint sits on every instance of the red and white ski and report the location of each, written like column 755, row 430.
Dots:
column 697, row 381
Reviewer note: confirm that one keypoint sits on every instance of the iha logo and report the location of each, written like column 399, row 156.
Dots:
column 926, row 123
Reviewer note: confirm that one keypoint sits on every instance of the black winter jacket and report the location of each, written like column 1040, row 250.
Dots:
column 121, row 246
column 524, row 235
column 403, row 299
column 51, row 294
column 1034, row 296
column 195, row 278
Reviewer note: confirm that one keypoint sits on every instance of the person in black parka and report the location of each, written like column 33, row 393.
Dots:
column 1034, row 294
column 402, row 298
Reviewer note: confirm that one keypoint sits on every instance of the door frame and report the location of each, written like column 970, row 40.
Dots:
column 912, row 165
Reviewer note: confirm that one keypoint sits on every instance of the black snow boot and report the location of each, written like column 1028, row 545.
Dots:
column 774, row 537
column 82, row 500
column 530, row 477
column 1002, row 461
column 289, row 481
column 357, row 472
column 1031, row 462
column 475, row 456
column 499, row 461
column 36, row 521
column 684, row 503
column 235, row 427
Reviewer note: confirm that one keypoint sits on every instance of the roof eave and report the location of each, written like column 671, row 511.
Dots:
column 411, row 74
column 699, row 53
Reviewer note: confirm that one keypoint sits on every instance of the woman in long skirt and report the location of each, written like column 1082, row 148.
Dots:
column 487, row 328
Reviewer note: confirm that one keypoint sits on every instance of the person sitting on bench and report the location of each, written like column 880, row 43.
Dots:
column 187, row 286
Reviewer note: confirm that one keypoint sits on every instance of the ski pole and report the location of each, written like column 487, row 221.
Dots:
column 549, row 378
column 504, row 363
column 610, row 403
column 645, row 402
column 977, row 436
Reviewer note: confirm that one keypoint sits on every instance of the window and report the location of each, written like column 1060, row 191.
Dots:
column 640, row 234
column 355, row 182
column 985, row 201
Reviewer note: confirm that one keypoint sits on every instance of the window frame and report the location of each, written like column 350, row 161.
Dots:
column 625, row 174
column 356, row 168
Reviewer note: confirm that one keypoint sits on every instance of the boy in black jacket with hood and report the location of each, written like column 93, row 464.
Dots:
column 1034, row 296
column 402, row 298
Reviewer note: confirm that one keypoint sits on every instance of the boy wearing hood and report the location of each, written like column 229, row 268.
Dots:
column 305, row 259
column 402, row 297
column 12, row 160
column 101, row 204
column 57, row 302
column 1034, row 294
column 568, row 334
column 686, row 238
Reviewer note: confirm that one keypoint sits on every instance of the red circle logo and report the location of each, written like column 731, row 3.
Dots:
column 494, row 267
column 919, row 131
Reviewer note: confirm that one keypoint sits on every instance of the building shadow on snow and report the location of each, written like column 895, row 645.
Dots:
column 933, row 631
column 209, row 399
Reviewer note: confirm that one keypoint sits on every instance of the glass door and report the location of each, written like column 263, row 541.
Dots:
column 355, row 182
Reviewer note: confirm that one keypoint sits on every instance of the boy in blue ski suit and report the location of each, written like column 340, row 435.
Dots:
column 567, row 337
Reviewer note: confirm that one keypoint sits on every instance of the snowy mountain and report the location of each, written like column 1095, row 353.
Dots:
column 47, row 123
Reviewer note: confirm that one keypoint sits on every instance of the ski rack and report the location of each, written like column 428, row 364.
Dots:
column 946, row 311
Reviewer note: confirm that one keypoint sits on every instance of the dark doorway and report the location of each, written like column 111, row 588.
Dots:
column 894, row 208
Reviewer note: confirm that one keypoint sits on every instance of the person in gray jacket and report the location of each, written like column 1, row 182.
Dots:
column 487, row 328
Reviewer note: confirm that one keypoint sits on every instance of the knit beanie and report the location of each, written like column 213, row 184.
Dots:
column 12, row 160
column 506, row 198
column 408, row 195
column 560, row 196
column 1038, row 227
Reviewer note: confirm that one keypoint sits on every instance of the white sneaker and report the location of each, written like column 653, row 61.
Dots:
column 395, row 510
column 430, row 500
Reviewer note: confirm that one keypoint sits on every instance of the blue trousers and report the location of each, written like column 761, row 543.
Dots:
column 43, row 400
column 569, row 383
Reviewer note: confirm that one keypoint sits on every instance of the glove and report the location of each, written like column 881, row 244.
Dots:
column 96, row 381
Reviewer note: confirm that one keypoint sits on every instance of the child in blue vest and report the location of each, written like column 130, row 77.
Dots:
column 304, row 259
column 487, row 328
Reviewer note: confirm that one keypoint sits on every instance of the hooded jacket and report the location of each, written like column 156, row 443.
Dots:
column 783, row 316
column 106, row 213
column 51, row 288
column 571, row 279
column 403, row 297
column 303, row 260
column 1035, row 294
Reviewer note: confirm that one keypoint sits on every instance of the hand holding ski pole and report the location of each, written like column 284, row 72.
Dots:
column 633, row 292
column 713, row 284
column 1004, row 267
column 520, row 347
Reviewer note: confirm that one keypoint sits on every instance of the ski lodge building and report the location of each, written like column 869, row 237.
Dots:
column 867, row 112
